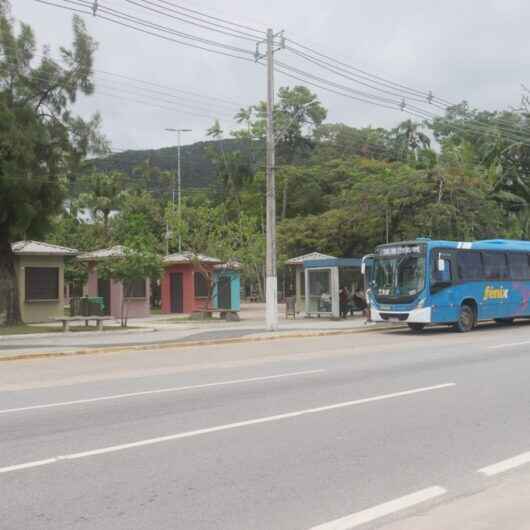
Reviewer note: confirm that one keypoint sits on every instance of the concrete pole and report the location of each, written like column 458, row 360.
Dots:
column 179, row 189
column 271, row 278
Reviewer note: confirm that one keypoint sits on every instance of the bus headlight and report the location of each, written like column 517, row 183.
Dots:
column 421, row 303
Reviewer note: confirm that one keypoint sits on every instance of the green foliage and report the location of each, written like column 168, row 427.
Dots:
column 103, row 195
column 41, row 142
column 141, row 216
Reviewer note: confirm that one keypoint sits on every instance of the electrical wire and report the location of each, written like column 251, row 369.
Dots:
column 146, row 32
column 154, row 105
column 508, row 129
column 233, row 105
column 190, row 109
column 152, row 25
column 427, row 96
column 344, row 73
column 224, row 21
column 412, row 110
column 207, row 25
column 410, row 90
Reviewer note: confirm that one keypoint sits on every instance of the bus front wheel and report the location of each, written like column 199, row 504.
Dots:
column 466, row 320
column 416, row 327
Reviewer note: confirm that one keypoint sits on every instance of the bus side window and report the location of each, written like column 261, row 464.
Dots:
column 469, row 266
column 519, row 266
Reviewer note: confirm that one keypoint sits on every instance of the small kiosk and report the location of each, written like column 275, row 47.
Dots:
column 136, row 293
column 227, row 289
column 185, row 285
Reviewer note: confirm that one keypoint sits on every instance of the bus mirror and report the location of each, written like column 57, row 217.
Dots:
column 441, row 265
column 363, row 267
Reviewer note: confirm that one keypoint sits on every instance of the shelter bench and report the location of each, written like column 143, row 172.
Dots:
column 66, row 321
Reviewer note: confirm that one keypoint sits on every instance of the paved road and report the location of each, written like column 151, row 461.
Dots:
column 378, row 430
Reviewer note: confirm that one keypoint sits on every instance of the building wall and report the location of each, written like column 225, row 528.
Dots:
column 91, row 287
column 190, row 303
column 39, row 311
column 136, row 307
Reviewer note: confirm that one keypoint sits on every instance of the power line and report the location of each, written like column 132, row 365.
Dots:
column 165, row 87
column 260, row 32
column 154, row 105
column 152, row 25
column 410, row 90
column 188, row 109
column 204, row 25
column 344, row 73
column 508, row 129
column 409, row 109
column 146, row 32
column 187, row 93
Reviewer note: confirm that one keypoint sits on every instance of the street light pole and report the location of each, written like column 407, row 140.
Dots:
column 179, row 183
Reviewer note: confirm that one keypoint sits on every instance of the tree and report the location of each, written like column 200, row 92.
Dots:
column 41, row 142
column 137, row 264
column 140, row 214
column 103, row 195
column 296, row 115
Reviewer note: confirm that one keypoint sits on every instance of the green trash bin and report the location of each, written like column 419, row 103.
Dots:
column 83, row 307
column 96, row 306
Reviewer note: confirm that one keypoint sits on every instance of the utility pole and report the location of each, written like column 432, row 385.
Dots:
column 179, row 188
column 271, row 293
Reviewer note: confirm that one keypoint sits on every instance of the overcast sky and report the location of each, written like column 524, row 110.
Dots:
column 476, row 50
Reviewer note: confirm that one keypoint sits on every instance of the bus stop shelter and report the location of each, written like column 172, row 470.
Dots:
column 318, row 279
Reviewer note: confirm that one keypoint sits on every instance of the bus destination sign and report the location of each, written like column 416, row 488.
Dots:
column 399, row 250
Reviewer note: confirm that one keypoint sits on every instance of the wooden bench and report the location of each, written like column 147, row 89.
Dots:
column 66, row 321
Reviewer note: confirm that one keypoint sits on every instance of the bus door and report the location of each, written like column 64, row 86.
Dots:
column 367, row 267
column 443, row 287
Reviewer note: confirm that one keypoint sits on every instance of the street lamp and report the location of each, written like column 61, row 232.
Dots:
column 179, row 184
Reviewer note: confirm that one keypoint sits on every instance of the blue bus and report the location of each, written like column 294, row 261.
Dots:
column 426, row 282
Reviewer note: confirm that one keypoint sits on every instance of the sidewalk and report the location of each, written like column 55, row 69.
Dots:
column 160, row 330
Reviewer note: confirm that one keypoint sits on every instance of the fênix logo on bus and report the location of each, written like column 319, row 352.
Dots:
column 495, row 293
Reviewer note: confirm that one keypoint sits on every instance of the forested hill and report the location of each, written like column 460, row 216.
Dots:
column 198, row 171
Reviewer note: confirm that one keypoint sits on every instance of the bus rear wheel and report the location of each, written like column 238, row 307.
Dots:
column 466, row 320
column 416, row 327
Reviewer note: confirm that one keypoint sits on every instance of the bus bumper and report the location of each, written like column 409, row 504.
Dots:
column 417, row 316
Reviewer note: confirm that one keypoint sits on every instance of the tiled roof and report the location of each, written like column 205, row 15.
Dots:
column 189, row 257
column 38, row 248
column 308, row 257
column 229, row 265
column 105, row 253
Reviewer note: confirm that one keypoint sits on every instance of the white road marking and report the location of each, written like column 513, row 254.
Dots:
column 218, row 428
column 509, row 345
column 506, row 465
column 382, row 510
column 160, row 391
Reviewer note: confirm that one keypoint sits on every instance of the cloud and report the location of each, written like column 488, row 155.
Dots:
column 476, row 51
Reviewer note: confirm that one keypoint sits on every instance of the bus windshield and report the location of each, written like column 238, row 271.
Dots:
column 398, row 278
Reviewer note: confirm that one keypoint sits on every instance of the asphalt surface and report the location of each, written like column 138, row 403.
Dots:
column 366, row 430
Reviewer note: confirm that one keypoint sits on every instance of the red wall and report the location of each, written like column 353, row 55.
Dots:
column 189, row 301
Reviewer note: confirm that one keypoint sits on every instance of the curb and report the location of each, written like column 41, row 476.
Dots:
column 192, row 343
column 51, row 334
